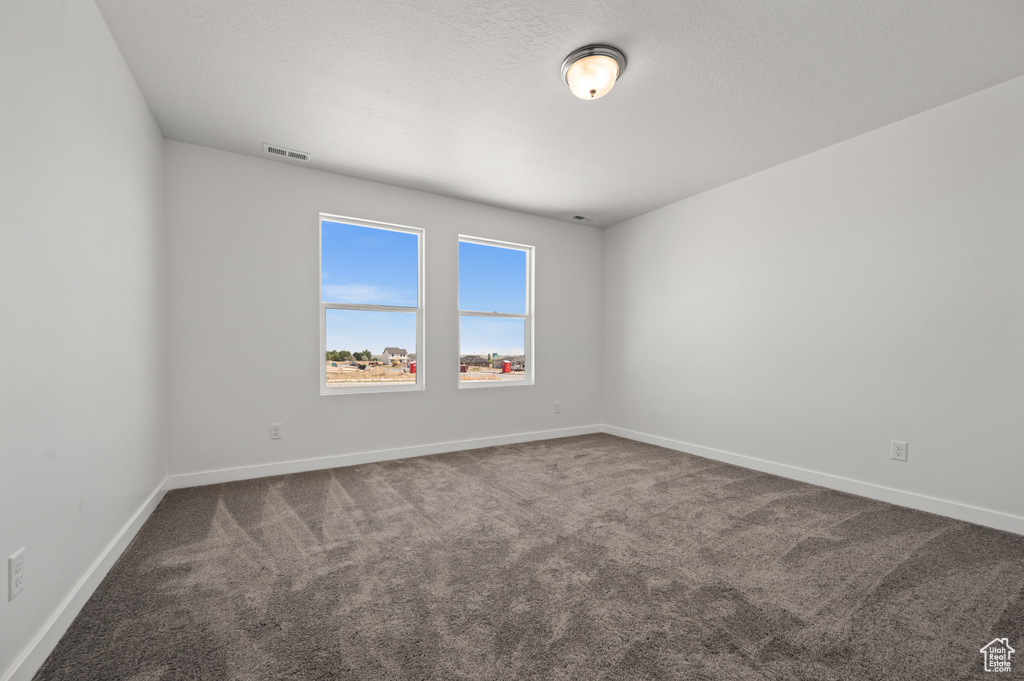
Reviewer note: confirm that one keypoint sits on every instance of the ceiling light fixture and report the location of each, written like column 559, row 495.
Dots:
column 591, row 71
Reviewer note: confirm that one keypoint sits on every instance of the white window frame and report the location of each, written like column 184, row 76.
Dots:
column 528, row 378
column 420, row 383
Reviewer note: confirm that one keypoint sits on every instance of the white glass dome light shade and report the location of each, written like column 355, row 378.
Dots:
column 592, row 77
column 591, row 71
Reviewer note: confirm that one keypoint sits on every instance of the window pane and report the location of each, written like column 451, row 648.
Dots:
column 492, row 279
column 368, row 266
column 492, row 349
column 389, row 336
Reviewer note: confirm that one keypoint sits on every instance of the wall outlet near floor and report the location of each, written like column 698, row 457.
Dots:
column 15, row 573
column 275, row 431
column 898, row 451
column 558, row 407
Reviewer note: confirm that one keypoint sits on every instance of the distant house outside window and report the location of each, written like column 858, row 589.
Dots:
column 495, row 313
column 371, row 306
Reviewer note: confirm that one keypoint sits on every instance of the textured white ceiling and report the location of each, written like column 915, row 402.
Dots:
column 463, row 97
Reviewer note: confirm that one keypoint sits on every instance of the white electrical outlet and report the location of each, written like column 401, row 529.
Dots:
column 558, row 407
column 15, row 574
column 898, row 451
column 275, row 431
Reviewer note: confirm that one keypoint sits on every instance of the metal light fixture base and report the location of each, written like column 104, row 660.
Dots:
column 594, row 51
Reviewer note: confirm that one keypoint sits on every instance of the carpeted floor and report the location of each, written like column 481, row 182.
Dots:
column 590, row 557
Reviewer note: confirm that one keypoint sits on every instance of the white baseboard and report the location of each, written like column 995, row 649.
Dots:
column 35, row 654
column 920, row 502
column 339, row 460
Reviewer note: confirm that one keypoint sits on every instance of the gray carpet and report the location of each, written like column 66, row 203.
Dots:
column 590, row 557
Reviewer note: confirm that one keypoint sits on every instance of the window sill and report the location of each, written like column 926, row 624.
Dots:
column 474, row 385
column 363, row 389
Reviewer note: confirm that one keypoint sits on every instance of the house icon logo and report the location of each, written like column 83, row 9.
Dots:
column 997, row 655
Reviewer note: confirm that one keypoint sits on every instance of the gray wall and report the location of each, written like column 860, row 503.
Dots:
column 807, row 315
column 81, row 293
column 243, row 311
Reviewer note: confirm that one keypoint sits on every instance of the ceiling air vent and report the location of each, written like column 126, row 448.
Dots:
column 285, row 153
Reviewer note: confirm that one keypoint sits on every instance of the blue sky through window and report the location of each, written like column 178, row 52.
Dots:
column 368, row 266
column 488, row 335
column 356, row 330
column 491, row 278
column 373, row 266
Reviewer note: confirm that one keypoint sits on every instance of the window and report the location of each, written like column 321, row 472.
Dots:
column 371, row 306
column 495, row 313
